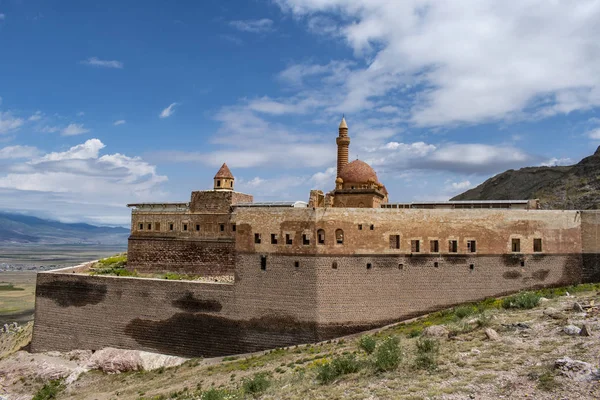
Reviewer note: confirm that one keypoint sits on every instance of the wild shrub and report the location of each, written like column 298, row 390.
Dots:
column 483, row 320
column 524, row 300
column 217, row 394
column 367, row 343
column 415, row 333
column 464, row 311
column 49, row 391
column 388, row 354
column 341, row 365
column 326, row 373
column 427, row 353
column 257, row 384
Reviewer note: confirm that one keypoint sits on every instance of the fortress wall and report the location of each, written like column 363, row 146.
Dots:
column 188, row 256
column 590, row 237
column 398, row 287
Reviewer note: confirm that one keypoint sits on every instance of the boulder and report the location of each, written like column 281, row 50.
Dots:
column 586, row 330
column 492, row 334
column 112, row 360
column 577, row 307
column 577, row 370
column 435, row 331
column 571, row 330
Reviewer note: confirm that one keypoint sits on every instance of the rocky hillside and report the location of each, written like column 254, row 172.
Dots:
column 17, row 228
column 565, row 187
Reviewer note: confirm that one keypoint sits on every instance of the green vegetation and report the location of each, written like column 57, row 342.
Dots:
column 367, row 343
column 465, row 311
column 388, row 354
column 9, row 287
column 524, row 300
column 114, row 265
column 49, row 391
column 428, row 351
column 257, row 384
column 338, row 366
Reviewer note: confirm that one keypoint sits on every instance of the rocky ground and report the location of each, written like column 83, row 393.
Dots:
column 550, row 351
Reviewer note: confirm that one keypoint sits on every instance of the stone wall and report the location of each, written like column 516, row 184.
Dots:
column 590, row 238
column 188, row 256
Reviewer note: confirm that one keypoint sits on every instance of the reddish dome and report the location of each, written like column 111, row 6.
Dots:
column 358, row 172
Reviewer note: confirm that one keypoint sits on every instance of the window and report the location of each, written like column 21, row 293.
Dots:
column 472, row 267
column 233, row 227
column 434, row 246
column 288, row 238
column 522, row 263
column 452, row 246
column 415, row 246
column 537, row 245
column 339, row 236
column 171, row 227
column 436, row 264
column 297, row 264
column 471, row 246
column 360, row 227
column 334, row 265
column 157, row 226
column 222, row 227
column 305, row 239
column 372, row 227
column 369, row 266
column 516, row 245
column 231, row 184
column 273, row 238
column 185, row 227
column 218, row 183
column 149, row 227
column 400, row 266
column 321, row 236
column 394, row 241
column 141, row 227
column 197, row 227
column 263, row 263
column 257, row 238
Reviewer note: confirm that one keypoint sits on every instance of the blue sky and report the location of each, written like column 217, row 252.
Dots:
column 106, row 103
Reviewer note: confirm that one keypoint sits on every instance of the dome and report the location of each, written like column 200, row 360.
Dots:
column 358, row 172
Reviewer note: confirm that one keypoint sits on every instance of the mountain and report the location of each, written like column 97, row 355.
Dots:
column 17, row 228
column 574, row 187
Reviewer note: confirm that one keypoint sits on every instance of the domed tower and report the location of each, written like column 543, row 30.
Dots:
column 224, row 179
column 343, row 142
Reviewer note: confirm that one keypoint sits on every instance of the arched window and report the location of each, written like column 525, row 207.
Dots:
column 339, row 236
column 321, row 236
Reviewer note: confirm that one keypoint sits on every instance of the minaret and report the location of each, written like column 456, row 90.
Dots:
column 224, row 179
column 343, row 141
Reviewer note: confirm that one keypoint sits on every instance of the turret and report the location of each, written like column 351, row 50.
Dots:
column 343, row 142
column 224, row 179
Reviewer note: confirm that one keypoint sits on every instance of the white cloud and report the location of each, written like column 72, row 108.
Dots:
column 119, row 122
column 80, row 114
column 460, row 186
column 167, row 112
column 2, row 17
column 96, row 62
column 15, row 152
column 74, row 129
column 253, row 25
column 594, row 134
column 50, row 129
column 324, row 179
column 36, row 117
column 79, row 183
column 472, row 62
column 8, row 123
column 553, row 162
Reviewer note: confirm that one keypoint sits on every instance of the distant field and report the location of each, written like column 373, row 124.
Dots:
column 17, row 288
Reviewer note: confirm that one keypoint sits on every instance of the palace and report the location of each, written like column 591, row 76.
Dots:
column 342, row 262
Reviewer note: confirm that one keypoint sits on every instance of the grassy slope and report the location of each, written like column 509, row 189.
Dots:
column 518, row 365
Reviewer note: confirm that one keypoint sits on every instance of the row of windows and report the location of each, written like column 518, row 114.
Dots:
column 184, row 227
column 334, row 264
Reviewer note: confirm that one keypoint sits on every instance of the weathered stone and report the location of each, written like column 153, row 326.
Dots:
column 577, row 307
column 112, row 360
column 574, row 369
column 571, row 330
column 586, row 330
column 492, row 334
column 436, row 331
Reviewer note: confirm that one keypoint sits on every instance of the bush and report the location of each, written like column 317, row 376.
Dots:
column 342, row 365
column 49, row 391
column 427, row 353
column 464, row 311
column 257, row 384
column 524, row 300
column 216, row 394
column 367, row 343
column 388, row 354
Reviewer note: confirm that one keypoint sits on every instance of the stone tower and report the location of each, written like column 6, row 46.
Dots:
column 343, row 141
column 224, row 179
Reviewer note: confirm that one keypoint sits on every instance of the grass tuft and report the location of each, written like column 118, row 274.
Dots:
column 49, row 391
column 524, row 301
column 367, row 343
column 428, row 351
column 388, row 354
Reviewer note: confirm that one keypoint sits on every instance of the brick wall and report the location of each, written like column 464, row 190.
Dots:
column 590, row 238
column 190, row 256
